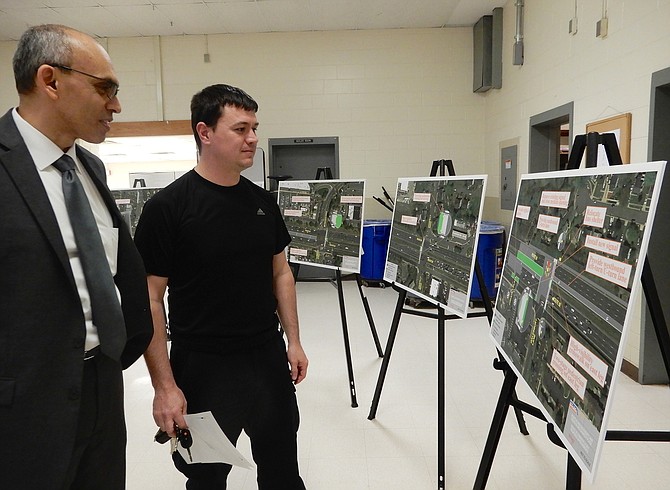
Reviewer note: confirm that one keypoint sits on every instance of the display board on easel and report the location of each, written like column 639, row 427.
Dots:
column 433, row 241
column 574, row 259
column 131, row 202
column 325, row 220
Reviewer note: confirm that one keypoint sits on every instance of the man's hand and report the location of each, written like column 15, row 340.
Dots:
column 169, row 409
column 298, row 362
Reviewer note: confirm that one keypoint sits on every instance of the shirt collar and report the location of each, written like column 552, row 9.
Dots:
column 43, row 151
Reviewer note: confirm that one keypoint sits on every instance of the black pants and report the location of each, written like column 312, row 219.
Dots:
column 248, row 390
column 99, row 456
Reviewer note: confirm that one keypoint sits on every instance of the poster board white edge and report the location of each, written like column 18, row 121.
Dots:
column 659, row 167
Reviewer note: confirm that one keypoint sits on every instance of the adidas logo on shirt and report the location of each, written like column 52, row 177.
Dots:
column 260, row 212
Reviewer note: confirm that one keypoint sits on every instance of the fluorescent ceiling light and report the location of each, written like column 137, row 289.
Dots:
column 148, row 149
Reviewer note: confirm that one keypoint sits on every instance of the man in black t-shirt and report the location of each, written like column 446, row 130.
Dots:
column 215, row 241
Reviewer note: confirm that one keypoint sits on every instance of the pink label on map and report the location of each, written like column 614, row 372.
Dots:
column 609, row 269
column 548, row 223
column 567, row 371
column 555, row 199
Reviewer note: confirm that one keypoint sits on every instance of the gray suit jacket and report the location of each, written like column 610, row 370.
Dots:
column 42, row 327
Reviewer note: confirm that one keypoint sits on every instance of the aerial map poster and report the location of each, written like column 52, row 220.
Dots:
column 574, row 259
column 325, row 220
column 434, row 234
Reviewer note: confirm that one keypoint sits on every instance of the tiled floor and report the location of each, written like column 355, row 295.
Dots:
column 340, row 449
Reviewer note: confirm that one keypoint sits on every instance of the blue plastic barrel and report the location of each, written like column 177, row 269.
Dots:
column 490, row 258
column 376, row 234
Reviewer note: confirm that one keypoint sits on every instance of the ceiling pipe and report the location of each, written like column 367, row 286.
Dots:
column 517, row 58
column 158, row 73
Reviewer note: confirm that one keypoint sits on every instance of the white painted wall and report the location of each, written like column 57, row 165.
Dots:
column 399, row 99
column 396, row 99
column 604, row 77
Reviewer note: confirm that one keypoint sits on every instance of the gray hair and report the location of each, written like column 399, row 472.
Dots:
column 48, row 44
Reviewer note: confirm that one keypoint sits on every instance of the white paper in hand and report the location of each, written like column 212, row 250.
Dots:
column 210, row 444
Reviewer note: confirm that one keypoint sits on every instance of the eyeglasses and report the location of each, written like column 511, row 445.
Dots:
column 110, row 88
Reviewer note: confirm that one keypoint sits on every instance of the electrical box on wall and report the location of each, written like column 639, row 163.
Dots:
column 508, row 177
column 601, row 28
column 483, row 51
column 487, row 45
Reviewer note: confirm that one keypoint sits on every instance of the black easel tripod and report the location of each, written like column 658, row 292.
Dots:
column 582, row 143
column 438, row 166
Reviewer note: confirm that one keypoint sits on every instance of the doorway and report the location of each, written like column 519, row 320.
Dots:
column 652, row 370
column 300, row 158
column 547, row 139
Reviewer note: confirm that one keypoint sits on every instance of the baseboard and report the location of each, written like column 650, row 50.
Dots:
column 630, row 370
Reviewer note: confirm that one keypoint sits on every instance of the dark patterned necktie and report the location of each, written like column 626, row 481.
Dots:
column 105, row 306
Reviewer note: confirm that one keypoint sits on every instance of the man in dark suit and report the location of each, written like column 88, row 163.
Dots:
column 61, row 392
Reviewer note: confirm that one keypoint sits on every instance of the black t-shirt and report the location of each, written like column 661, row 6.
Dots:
column 215, row 245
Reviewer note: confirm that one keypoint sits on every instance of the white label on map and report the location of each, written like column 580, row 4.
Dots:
column 457, row 300
column 459, row 234
column 548, row 223
column 595, row 216
column 294, row 184
column 434, row 287
column 351, row 199
column 300, row 198
column 498, row 326
column 122, row 201
column 581, row 433
column 409, row 220
column 350, row 263
column 522, row 212
column 602, row 245
column 292, row 212
column 421, row 197
column 390, row 272
column 555, row 199
column 298, row 251
column 568, row 372
column 592, row 364
column 609, row 269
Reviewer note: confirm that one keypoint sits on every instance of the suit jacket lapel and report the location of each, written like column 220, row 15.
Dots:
column 21, row 170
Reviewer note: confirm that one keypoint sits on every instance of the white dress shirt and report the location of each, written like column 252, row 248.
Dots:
column 44, row 153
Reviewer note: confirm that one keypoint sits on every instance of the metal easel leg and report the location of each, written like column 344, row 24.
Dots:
column 368, row 314
column 387, row 353
column 347, row 346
